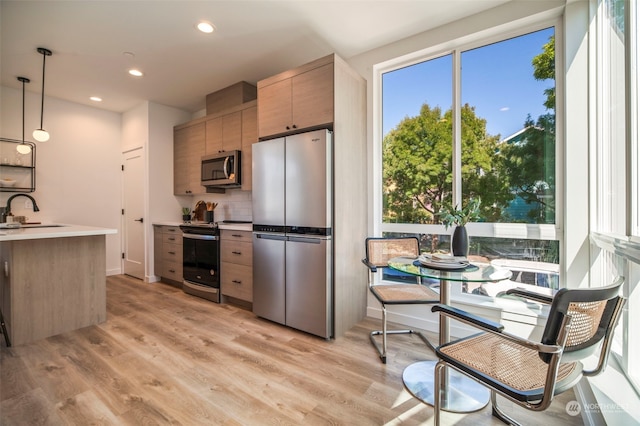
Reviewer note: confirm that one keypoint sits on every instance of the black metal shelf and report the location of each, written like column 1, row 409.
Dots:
column 10, row 170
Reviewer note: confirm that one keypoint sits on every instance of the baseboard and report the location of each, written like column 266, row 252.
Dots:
column 114, row 271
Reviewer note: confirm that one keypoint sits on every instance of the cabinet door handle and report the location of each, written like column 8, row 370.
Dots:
column 236, row 282
column 173, row 271
column 172, row 239
column 6, row 269
column 139, row 220
column 236, row 252
column 172, row 252
column 294, row 126
column 236, row 235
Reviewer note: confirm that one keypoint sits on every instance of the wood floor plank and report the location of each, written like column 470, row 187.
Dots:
column 165, row 357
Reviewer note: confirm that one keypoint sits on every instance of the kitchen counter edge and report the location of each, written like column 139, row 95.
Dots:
column 222, row 226
column 54, row 231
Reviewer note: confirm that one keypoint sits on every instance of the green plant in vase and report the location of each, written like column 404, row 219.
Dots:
column 186, row 214
column 450, row 216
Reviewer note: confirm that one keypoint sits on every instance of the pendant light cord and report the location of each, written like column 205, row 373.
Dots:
column 45, row 53
column 44, row 60
column 23, row 80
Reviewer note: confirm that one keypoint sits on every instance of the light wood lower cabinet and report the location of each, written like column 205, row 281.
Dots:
column 236, row 267
column 168, row 253
column 52, row 285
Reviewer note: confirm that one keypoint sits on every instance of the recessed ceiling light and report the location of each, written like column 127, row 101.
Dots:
column 136, row 73
column 206, row 27
column 96, row 99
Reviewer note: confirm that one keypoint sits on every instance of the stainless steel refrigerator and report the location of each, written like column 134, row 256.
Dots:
column 292, row 231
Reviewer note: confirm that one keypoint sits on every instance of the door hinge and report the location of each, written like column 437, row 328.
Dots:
column 123, row 255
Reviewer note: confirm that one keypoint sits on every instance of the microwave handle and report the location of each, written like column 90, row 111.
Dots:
column 226, row 172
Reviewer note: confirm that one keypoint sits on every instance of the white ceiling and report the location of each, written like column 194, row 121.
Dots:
column 254, row 39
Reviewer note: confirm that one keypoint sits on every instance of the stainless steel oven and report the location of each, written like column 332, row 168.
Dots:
column 201, row 261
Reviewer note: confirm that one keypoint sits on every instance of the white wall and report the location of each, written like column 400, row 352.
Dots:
column 150, row 126
column 78, row 178
column 163, row 205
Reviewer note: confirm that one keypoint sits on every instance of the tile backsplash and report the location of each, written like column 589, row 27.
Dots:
column 232, row 205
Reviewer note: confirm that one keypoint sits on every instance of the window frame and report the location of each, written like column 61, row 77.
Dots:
column 455, row 48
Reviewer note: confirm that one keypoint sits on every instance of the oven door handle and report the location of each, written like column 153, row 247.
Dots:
column 200, row 237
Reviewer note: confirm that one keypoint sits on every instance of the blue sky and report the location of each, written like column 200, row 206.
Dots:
column 497, row 79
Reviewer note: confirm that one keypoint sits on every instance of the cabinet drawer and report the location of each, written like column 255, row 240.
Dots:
column 172, row 252
column 172, row 270
column 237, row 252
column 237, row 281
column 171, row 238
column 229, row 235
column 172, row 230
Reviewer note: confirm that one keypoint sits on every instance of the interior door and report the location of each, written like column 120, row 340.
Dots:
column 133, row 216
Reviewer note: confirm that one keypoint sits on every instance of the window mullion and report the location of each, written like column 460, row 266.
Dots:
column 457, row 129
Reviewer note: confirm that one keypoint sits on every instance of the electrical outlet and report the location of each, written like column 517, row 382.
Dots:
column 28, row 204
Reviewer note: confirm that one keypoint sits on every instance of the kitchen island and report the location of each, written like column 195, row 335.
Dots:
column 53, row 279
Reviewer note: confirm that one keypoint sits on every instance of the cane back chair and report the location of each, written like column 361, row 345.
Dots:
column 378, row 253
column 529, row 373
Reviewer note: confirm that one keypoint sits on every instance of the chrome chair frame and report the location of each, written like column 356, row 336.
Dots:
column 552, row 350
column 380, row 261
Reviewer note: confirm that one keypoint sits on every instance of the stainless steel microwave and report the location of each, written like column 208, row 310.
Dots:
column 221, row 169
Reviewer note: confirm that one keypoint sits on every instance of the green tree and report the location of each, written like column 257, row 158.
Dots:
column 530, row 161
column 544, row 68
column 417, row 169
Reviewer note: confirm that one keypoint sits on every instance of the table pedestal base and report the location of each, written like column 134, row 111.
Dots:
column 463, row 395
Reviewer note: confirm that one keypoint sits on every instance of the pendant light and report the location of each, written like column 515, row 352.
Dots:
column 23, row 148
column 40, row 134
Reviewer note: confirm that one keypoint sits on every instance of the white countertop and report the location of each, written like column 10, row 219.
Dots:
column 229, row 226
column 236, row 226
column 51, row 230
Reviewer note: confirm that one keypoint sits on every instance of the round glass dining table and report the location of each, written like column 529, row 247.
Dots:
column 462, row 394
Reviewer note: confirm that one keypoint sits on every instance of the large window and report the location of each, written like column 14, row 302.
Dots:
column 615, row 167
column 476, row 122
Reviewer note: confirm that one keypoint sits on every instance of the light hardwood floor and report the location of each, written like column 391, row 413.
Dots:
column 164, row 357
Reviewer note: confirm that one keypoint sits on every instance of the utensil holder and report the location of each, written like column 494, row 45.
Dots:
column 208, row 216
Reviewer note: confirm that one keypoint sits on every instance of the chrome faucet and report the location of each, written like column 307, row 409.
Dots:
column 7, row 209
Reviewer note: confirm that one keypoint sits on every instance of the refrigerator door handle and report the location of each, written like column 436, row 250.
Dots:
column 306, row 240
column 272, row 237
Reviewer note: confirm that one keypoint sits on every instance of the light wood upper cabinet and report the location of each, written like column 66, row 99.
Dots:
column 188, row 149
column 274, row 108
column 235, row 128
column 312, row 97
column 213, row 136
column 224, row 133
column 297, row 99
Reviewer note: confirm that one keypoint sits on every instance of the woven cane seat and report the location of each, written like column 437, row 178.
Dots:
column 404, row 294
column 512, row 368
